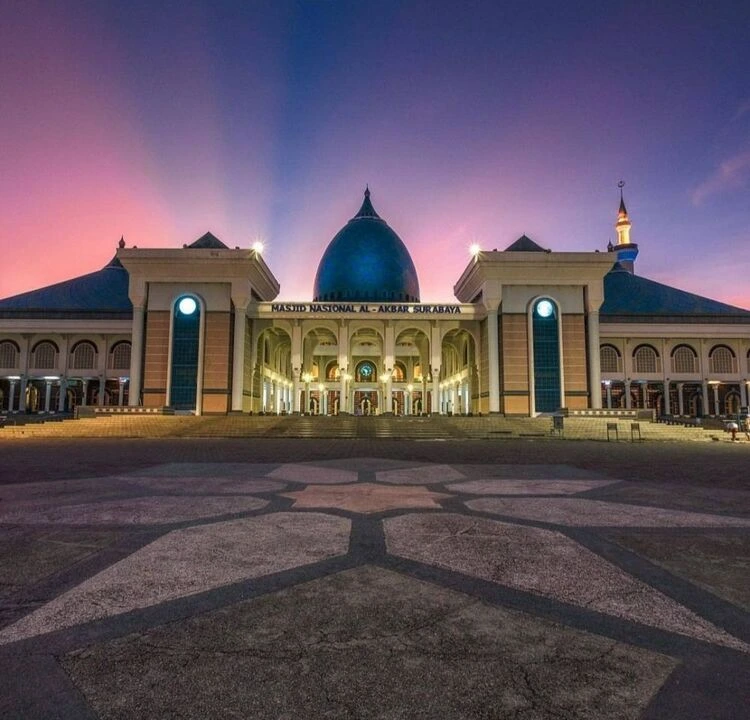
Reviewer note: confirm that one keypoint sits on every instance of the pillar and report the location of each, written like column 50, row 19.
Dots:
column 343, row 405
column 608, row 387
column 297, row 391
column 743, row 393
column 704, row 389
column 120, row 391
column 102, row 388
column 680, row 398
column 47, row 394
column 11, row 393
column 493, row 344
column 595, row 375
column 716, row 399
column 62, row 395
column 628, row 399
column 238, row 358
column 22, row 395
column 85, row 390
column 136, row 359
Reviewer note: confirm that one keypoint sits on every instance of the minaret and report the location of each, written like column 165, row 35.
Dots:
column 626, row 251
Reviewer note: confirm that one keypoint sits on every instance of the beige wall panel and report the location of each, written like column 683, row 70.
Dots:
column 577, row 402
column 215, row 404
column 516, row 405
column 515, row 349
column 154, row 399
column 157, row 350
column 574, row 352
column 216, row 351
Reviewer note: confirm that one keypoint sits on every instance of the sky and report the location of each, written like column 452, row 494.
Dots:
column 471, row 121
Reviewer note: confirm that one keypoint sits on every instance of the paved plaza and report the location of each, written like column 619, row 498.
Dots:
column 262, row 578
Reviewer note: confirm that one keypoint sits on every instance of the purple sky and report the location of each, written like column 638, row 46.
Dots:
column 471, row 121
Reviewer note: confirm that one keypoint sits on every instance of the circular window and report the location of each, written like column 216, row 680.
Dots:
column 366, row 371
column 187, row 306
column 544, row 308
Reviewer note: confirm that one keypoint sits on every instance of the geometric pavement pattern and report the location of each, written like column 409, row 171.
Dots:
column 448, row 588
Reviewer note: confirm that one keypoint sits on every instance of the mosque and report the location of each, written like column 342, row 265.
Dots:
column 197, row 330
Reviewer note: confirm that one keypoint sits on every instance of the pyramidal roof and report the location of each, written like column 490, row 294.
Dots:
column 209, row 241
column 524, row 244
column 103, row 293
column 630, row 298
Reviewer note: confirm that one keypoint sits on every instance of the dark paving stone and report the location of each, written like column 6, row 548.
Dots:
column 367, row 643
column 716, row 561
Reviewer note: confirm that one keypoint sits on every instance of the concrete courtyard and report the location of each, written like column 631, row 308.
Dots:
column 279, row 578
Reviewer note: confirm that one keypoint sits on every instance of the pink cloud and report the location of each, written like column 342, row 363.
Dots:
column 731, row 174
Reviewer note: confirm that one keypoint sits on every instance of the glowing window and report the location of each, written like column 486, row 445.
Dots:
column 609, row 359
column 684, row 360
column 84, row 356
column 8, row 355
column 645, row 360
column 120, row 356
column 722, row 360
column 44, row 356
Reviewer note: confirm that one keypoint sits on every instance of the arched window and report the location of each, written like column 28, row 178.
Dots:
column 399, row 373
column 332, row 371
column 366, row 372
column 119, row 357
column 44, row 355
column 186, row 319
column 418, row 372
column 645, row 360
column 545, row 333
column 83, row 356
column 609, row 359
column 684, row 359
column 8, row 354
column 721, row 359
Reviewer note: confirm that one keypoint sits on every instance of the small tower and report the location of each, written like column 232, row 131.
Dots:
column 626, row 251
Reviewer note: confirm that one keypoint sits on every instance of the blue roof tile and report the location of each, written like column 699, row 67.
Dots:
column 103, row 293
column 630, row 298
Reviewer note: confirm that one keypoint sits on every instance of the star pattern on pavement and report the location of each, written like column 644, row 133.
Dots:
column 366, row 497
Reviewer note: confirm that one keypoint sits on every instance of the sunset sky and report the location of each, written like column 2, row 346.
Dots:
column 471, row 122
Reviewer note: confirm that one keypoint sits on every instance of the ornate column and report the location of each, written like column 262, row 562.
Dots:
column 238, row 354
column 493, row 352
column 608, row 387
column 136, row 357
column 628, row 398
column 595, row 375
column 296, row 390
column 680, row 398
column 11, row 394
column 102, row 388
column 22, row 394
column 47, row 394
column 704, row 388
column 62, row 394
column 716, row 399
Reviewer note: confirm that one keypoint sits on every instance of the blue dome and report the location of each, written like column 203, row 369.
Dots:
column 366, row 262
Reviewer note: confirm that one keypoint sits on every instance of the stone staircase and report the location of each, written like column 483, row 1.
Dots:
column 347, row 426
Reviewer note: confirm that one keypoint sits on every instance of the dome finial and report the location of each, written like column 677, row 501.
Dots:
column 121, row 244
column 367, row 210
column 623, row 211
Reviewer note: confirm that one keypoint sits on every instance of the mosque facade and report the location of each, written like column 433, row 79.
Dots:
column 198, row 329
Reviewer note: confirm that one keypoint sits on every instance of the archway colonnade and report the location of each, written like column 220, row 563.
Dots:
column 357, row 367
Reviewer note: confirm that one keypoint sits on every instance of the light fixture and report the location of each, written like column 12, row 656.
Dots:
column 259, row 247
column 321, row 387
column 544, row 308
column 187, row 306
column 474, row 249
column 306, row 377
